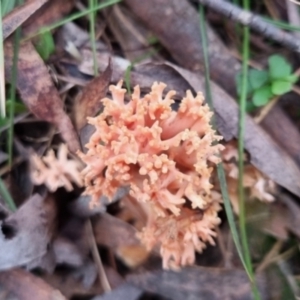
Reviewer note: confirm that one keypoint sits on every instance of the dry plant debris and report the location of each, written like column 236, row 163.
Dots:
column 166, row 158
column 260, row 187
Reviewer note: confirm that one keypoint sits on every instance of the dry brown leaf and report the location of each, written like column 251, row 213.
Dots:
column 277, row 222
column 130, row 33
column 199, row 283
column 74, row 283
column 19, row 15
column 38, row 91
column 125, row 291
column 121, row 238
column 48, row 14
column 285, row 133
column 23, row 285
column 133, row 255
column 114, row 233
column 293, row 214
column 180, row 34
column 25, row 235
column 88, row 103
column 81, row 207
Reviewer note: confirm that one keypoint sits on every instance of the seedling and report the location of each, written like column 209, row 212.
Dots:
column 265, row 84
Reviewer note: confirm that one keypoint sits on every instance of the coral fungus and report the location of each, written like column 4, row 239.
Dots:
column 56, row 172
column 166, row 158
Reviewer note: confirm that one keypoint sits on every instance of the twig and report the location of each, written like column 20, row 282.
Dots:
column 293, row 15
column 102, row 275
column 265, row 110
column 255, row 22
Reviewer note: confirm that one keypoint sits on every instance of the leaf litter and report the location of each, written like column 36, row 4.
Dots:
column 47, row 232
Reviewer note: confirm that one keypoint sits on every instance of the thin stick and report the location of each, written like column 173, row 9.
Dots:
column 102, row 275
column 253, row 21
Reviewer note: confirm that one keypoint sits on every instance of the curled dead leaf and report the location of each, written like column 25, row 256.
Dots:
column 23, row 285
column 25, row 235
column 19, row 15
column 88, row 102
column 38, row 91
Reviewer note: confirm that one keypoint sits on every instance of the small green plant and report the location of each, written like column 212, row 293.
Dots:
column 264, row 85
column 45, row 45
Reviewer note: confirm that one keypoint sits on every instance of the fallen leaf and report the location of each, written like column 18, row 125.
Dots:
column 88, row 102
column 23, row 285
column 180, row 34
column 25, row 235
column 77, row 283
column 293, row 214
column 130, row 33
column 48, row 14
column 277, row 222
column 199, row 283
column 38, row 91
column 3, row 157
column 67, row 253
column 81, row 207
column 19, row 15
column 125, row 291
column 285, row 133
column 113, row 233
column 132, row 255
column 121, row 238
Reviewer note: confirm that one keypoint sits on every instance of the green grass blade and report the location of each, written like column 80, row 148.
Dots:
column 220, row 169
column 282, row 25
column 73, row 17
column 92, row 17
column 14, row 72
column 6, row 196
column 2, row 81
column 221, row 174
column 7, row 6
column 127, row 74
column 241, row 134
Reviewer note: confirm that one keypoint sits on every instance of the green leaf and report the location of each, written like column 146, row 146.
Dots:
column 7, row 6
column 292, row 78
column 45, row 45
column 258, row 78
column 4, row 121
column 279, row 67
column 238, row 81
column 280, row 87
column 262, row 96
column 250, row 107
column 18, row 106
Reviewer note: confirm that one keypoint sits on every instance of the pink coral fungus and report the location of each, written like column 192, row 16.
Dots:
column 166, row 158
